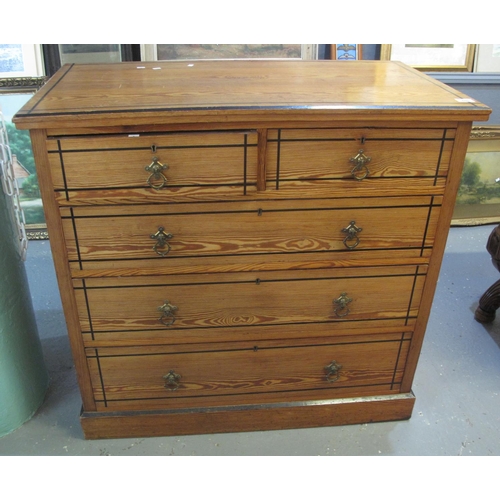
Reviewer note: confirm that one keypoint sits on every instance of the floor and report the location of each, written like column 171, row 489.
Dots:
column 457, row 385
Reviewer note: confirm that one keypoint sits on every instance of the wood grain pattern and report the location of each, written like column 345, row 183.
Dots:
column 187, row 340
column 289, row 155
column 123, row 233
column 257, row 300
column 191, row 159
column 289, row 121
column 261, row 160
column 125, row 94
column 251, row 263
column 297, row 189
column 349, row 132
column 456, row 165
column 259, row 190
column 60, row 257
column 314, row 413
column 240, row 371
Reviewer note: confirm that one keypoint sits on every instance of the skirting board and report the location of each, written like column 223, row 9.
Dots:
column 324, row 413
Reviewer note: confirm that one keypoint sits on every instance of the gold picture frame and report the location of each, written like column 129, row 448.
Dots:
column 431, row 57
column 478, row 199
column 165, row 52
column 346, row 52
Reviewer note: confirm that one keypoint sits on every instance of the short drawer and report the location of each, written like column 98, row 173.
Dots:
column 368, row 155
column 161, row 235
column 152, row 165
column 157, row 376
column 179, row 304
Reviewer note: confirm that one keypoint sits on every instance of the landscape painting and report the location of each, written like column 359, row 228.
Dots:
column 478, row 200
column 24, row 165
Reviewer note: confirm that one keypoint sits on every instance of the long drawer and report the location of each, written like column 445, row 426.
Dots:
column 159, row 377
column 156, row 235
column 183, row 306
column 157, row 166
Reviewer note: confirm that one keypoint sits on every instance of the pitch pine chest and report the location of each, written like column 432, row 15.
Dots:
column 246, row 245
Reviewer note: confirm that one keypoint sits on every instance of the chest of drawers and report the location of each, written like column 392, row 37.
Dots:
column 246, row 245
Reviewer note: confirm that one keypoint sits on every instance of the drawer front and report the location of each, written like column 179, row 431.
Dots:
column 156, row 165
column 252, row 370
column 161, row 234
column 357, row 154
column 237, row 300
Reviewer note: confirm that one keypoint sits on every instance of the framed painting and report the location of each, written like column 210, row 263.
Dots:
column 55, row 55
column 478, row 200
column 163, row 52
column 431, row 57
column 487, row 58
column 20, row 60
column 14, row 93
column 346, row 52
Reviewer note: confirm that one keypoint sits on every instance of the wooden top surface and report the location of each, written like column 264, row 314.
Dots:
column 194, row 91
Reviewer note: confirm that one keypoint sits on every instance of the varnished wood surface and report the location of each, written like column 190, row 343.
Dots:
column 60, row 257
column 251, row 263
column 190, row 159
column 453, row 183
column 128, row 93
column 291, row 189
column 252, row 370
column 215, row 385
column 182, row 340
column 289, row 120
column 102, row 425
column 389, row 157
column 244, row 299
column 259, row 188
column 230, row 163
column 125, row 233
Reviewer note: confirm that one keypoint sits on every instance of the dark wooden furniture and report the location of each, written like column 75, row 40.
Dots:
column 246, row 245
column 490, row 300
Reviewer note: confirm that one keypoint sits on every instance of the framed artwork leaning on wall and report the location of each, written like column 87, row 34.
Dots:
column 14, row 93
column 431, row 57
column 478, row 199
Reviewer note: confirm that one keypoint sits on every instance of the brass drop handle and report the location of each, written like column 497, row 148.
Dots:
column 351, row 241
column 161, row 246
column 156, row 179
column 332, row 371
column 168, row 313
column 360, row 170
column 172, row 380
column 341, row 302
